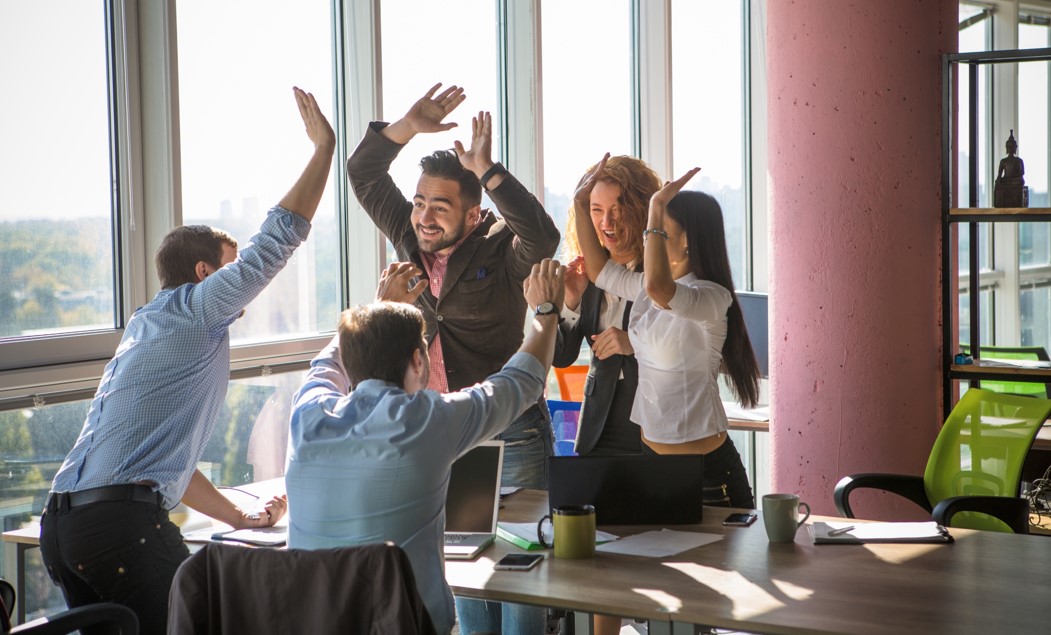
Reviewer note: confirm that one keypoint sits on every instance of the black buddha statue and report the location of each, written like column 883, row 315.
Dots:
column 1009, row 189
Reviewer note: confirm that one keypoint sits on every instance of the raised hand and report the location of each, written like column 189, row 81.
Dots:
column 479, row 158
column 576, row 282
column 546, row 283
column 427, row 114
column 396, row 283
column 582, row 197
column 318, row 128
column 663, row 196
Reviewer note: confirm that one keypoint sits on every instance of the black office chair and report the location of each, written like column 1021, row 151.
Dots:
column 231, row 589
column 104, row 614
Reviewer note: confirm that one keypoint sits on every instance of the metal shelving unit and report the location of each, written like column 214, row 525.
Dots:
column 953, row 65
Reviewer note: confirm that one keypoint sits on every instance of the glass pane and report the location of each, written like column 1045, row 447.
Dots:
column 973, row 38
column 709, row 133
column 586, row 113
column 33, row 444
column 985, row 306
column 249, row 443
column 56, row 234
column 243, row 144
column 1033, row 144
column 408, row 73
column 1036, row 316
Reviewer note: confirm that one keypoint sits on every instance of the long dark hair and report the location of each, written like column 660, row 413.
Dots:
column 701, row 219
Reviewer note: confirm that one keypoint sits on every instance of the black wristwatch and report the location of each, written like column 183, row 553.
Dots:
column 545, row 308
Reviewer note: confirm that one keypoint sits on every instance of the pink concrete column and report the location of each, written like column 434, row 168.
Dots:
column 855, row 178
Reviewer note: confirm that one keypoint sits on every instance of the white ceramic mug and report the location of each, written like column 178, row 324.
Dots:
column 781, row 516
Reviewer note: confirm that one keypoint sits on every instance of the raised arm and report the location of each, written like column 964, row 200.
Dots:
column 595, row 257
column 305, row 195
column 536, row 236
column 426, row 115
column 545, row 284
column 660, row 285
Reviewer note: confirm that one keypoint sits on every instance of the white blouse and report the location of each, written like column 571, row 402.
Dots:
column 679, row 351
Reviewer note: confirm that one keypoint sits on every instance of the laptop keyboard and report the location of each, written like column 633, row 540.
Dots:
column 455, row 539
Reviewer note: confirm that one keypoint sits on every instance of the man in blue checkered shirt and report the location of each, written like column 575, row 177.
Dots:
column 105, row 533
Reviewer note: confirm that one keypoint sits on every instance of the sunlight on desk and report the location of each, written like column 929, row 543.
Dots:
column 668, row 603
column 895, row 553
column 748, row 598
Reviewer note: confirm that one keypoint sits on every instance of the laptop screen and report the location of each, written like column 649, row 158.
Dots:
column 473, row 499
column 630, row 489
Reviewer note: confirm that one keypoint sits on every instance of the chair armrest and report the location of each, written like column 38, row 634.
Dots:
column 1011, row 510
column 905, row 485
column 90, row 615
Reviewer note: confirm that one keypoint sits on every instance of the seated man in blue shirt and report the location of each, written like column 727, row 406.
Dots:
column 105, row 533
column 372, row 447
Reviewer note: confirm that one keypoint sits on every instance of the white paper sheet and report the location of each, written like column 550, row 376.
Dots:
column 659, row 544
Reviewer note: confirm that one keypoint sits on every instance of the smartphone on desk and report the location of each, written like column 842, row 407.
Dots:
column 518, row 561
column 739, row 520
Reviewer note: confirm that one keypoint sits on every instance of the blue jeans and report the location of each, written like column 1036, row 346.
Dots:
column 479, row 616
column 528, row 441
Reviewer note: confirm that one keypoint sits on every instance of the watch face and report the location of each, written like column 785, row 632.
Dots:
column 545, row 308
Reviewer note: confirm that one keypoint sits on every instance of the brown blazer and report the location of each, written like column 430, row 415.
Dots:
column 235, row 589
column 480, row 311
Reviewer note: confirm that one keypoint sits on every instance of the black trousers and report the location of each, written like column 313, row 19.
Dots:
column 725, row 477
column 123, row 551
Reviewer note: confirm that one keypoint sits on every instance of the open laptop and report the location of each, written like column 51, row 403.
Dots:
column 661, row 489
column 473, row 501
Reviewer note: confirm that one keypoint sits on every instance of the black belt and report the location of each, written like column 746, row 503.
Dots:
column 111, row 493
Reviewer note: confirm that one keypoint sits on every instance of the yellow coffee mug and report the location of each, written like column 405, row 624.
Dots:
column 574, row 527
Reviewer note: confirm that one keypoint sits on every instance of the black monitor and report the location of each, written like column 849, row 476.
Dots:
column 756, row 309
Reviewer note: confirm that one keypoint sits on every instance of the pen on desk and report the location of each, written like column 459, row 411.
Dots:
column 840, row 531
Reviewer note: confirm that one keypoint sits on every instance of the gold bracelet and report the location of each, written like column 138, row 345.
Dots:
column 652, row 230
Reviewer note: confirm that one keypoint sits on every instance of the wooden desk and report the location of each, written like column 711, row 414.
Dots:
column 985, row 582
column 15, row 545
column 18, row 541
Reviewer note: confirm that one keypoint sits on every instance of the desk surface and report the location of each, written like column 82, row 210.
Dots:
column 984, row 582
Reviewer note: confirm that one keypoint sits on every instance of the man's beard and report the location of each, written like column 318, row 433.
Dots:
column 443, row 240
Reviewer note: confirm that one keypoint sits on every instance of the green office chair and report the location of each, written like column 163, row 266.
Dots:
column 1024, row 388
column 974, row 469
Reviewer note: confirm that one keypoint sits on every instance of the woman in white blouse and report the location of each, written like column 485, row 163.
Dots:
column 686, row 327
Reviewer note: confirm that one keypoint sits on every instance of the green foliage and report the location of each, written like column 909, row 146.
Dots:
column 55, row 274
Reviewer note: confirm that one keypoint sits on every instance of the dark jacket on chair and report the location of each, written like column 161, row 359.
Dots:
column 603, row 375
column 233, row 589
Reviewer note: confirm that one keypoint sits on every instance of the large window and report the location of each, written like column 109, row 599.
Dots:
column 587, row 92
column 1034, row 239
column 708, row 112
column 128, row 118
column 975, row 35
column 57, row 230
column 414, row 59
column 243, row 144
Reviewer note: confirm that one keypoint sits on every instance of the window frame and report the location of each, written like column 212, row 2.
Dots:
column 147, row 180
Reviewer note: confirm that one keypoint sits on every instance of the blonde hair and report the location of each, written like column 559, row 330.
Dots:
column 637, row 182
